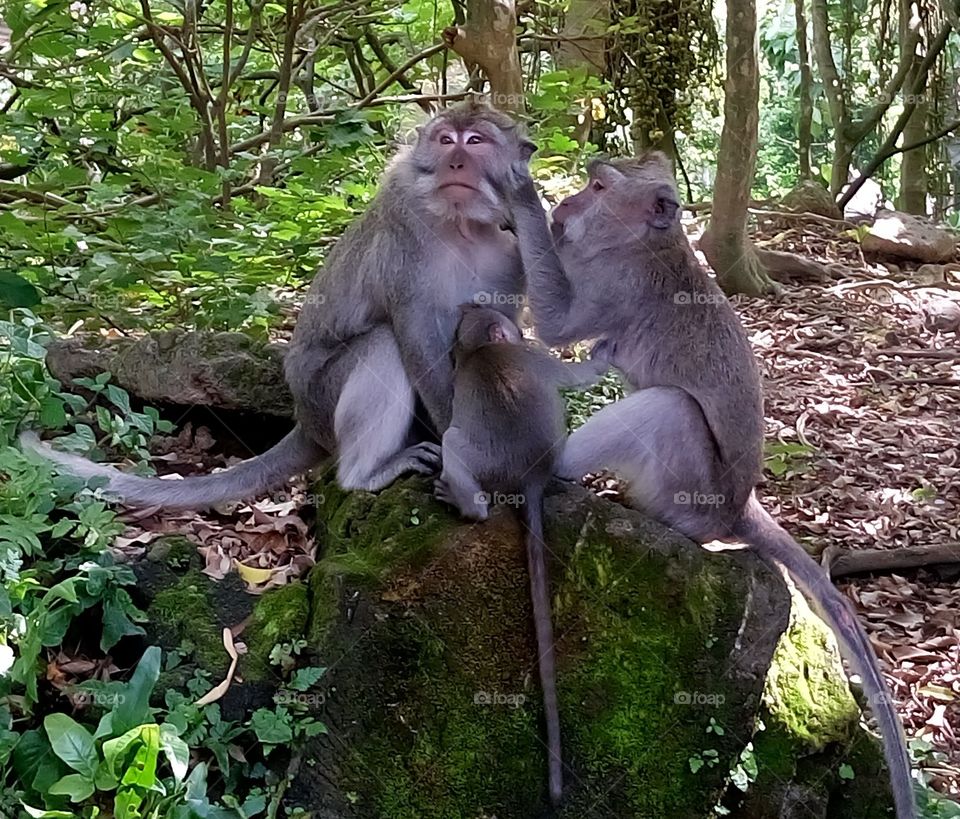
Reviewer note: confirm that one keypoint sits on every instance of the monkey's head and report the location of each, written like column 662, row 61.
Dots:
column 463, row 157
column 624, row 200
column 480, row 326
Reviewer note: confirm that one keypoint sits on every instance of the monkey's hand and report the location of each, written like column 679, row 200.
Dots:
column 519, row 174
column 514, row 182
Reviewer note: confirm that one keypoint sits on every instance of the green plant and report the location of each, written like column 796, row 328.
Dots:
column 782, row 458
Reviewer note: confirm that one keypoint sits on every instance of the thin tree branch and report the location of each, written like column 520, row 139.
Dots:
column 886, row 150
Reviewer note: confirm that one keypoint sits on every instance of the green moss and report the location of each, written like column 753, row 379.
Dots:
column 369, row 536
column 451, row 754
column 641, row 688
column 175, row 551
column 279, row 616
column 807, row 689
column 182, row 613
column 867, row 795
column 811, row 726
column 324, row 604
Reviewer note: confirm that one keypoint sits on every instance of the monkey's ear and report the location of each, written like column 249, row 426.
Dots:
column 496, row 334
column 504, row 332
column 663, row 211
column 527, row 149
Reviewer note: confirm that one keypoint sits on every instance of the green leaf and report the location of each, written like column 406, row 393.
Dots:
column 116, row 625
column 65, row 590
column 34, row 761
column 134, row 702
column 270, row 727
column 175, row 750
column 127, row 804
column 305, row 678
column 39, row 813
column 115, row 751
column 142, row 770
column 72, row 743
column 76, row 786
column 16, row 291
column 845, row 772
column 105, row 780
column 52, row 413
column 119, row 398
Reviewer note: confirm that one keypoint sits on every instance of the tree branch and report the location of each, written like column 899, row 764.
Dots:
column 886, row 150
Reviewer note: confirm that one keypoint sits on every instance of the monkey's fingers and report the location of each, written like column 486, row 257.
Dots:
column 426, row 458
column 441, row 491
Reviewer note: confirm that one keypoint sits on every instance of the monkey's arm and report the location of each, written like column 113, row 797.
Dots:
column 425, row 340
column 579, row 373
column 561, row 316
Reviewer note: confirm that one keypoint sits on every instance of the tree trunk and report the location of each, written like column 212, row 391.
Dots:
column 833, row 89
column 488, row 39
column 913, row 165
column 804, row 136
column 726, row 246
column 580, row 50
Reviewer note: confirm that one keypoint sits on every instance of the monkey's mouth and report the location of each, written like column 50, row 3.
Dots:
column 458, row 187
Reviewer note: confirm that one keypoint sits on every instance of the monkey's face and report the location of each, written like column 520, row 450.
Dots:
column 624, row 201
column 464, row 160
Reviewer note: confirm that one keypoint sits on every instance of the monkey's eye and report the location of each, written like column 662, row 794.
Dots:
column 597, row 185
column 446, row 139
column 473, row 139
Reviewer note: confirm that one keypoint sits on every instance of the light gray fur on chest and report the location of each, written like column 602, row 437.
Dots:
column 481, row 272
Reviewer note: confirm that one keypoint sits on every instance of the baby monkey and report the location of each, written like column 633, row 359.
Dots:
column 506, row 436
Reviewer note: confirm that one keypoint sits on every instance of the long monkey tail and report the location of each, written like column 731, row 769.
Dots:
column 294, row 454
column 543, row 622
column 775, row 546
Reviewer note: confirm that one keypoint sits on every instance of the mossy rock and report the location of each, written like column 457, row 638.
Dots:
column 664, row 650
column 223, row 370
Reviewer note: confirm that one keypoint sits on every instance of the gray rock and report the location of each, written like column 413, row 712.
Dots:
column 904, row 236
column 228, row 370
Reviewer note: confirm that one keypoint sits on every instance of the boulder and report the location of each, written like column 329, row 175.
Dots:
column 811, row 197
column 677, row 667
column 904, row 236
column 688, row 679
column 225, row 370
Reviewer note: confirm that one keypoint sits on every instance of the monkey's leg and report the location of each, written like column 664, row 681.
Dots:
column 457, row 485
column 657, row 440
column 373, row 416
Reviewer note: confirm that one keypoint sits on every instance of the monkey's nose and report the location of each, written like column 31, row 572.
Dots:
column 456, row 166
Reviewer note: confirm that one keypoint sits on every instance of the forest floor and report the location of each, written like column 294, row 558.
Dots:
column 862, row 416
column 865, row 398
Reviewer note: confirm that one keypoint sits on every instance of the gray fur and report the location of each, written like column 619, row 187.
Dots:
column 689, row 441
column 506, row 436
column 377, row 325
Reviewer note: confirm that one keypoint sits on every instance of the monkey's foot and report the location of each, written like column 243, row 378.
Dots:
column 424, row 458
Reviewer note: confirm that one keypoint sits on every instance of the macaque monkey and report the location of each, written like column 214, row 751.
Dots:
column 374, row 335
column 506, row 436
column 689, row 441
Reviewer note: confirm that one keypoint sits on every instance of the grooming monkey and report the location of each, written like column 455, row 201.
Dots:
column 506, row 435
column 375, row 332
column 689, row 440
